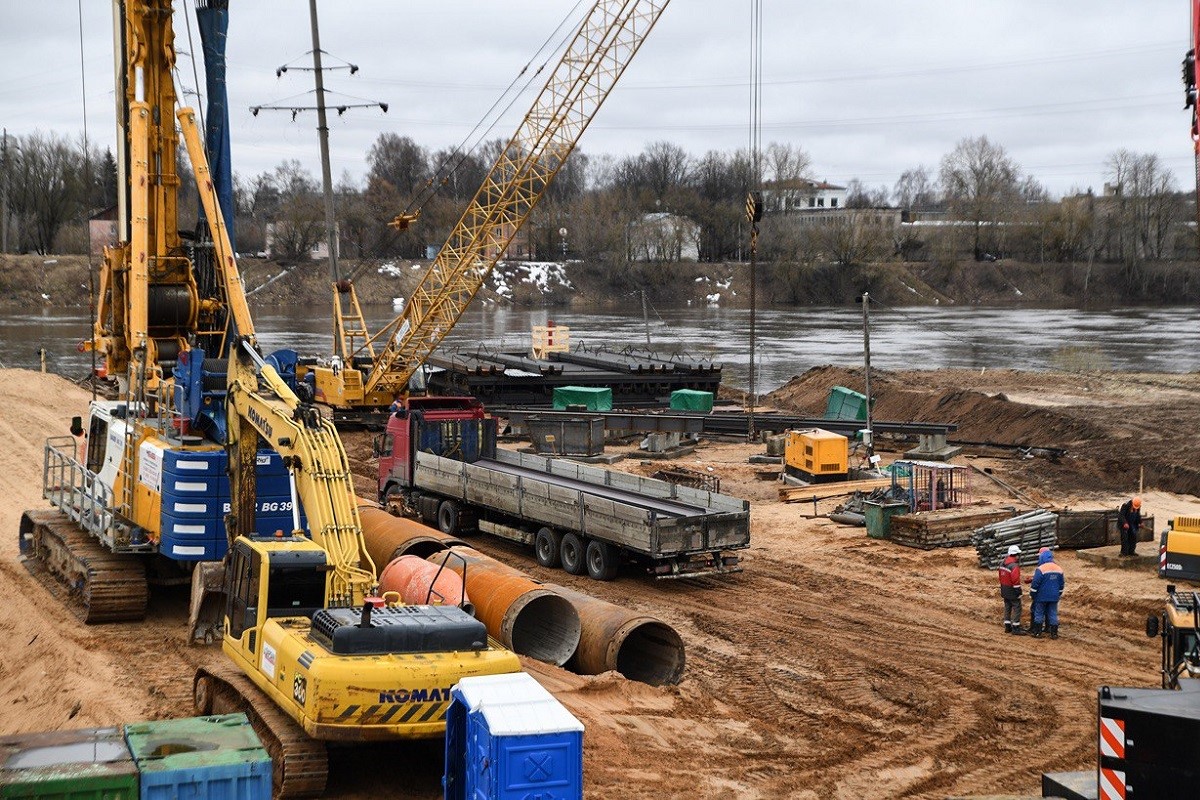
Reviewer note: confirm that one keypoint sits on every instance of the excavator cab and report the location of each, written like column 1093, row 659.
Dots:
column 1179, row 628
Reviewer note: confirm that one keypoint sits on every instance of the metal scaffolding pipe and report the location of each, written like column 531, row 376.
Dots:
column 388, row 537
column 640, row 647
column 521, row 613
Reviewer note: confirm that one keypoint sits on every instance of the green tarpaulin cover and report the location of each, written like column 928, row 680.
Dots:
column 846, row 404
column 691, row 400
column 592, row 398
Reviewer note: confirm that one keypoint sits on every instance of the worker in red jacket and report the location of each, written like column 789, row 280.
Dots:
column 1010, row 590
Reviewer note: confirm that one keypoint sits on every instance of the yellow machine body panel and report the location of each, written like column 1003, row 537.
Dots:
column 343, row 388
column 1179, row 550
column 817, row 453
column 336, row 696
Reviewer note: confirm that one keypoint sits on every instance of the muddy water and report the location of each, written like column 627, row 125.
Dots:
column 788, row 341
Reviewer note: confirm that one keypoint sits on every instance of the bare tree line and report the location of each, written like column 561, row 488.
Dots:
column 995, row 207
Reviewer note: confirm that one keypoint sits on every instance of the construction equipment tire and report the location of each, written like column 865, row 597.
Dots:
column 546, row 547
column 448, row 516
column 572, row 553
column 602, row 560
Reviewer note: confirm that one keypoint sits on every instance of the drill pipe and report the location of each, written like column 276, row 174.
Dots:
column 420, row 582
column 636, row 645
column 388, row 537
column 522, row 614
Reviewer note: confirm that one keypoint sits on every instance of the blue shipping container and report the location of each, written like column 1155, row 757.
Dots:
column 507, row 738
column 201, row 758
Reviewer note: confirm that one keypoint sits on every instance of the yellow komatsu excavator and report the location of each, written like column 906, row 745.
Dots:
column 318, row 659
column 374, row 369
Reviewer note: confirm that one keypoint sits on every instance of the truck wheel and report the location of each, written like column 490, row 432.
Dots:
column 448, row 517
column 546, row 547
column 602, row 561
column 571, row 553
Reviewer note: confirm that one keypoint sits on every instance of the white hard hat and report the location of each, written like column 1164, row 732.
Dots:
column 1013, row 550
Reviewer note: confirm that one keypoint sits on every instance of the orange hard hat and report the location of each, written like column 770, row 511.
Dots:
column 1137, row 502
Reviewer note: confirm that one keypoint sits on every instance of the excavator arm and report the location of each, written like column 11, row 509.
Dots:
column 605, row 43
column 261, row 406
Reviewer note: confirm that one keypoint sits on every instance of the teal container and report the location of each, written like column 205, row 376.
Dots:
column 691, row 400
column 200, row 758
column 878, row 517
column 91, row 764
column 586, row 398
column 846, row 403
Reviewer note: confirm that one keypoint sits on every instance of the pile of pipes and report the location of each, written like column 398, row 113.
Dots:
column 540, row 620
column 1030, row 531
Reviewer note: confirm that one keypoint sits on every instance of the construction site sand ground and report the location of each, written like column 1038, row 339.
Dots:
column 834, row 666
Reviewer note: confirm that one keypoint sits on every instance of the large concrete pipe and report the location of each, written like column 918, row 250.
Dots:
column 636, row 645
column 522, row 614
column 388, row 537
column 420, row 582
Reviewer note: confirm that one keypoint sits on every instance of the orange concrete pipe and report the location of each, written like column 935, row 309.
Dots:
column 636, row 645
column 522, row 614
column 388, row 537
column 420, row 582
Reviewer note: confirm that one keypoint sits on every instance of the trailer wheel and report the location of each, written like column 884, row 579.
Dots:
column 602, row 560
column 546, row 547
column 571, row 553
column 448, row 516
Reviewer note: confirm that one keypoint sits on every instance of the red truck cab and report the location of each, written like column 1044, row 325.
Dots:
column 453, row 427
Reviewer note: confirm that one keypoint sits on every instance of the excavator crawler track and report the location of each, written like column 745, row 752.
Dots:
column 96, row 584
column 300, row 763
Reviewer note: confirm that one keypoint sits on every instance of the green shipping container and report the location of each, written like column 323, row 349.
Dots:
column 588, row 398
column 691, row 400
column 91, row 764
column 846, row 404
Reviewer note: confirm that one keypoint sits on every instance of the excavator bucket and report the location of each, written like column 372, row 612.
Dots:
column 206, row 613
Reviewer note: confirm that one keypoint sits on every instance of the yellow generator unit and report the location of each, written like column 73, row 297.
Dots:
column 1179, row 549
column 815, row 456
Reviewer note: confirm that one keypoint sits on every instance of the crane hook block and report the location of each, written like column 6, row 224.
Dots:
column 402, row 222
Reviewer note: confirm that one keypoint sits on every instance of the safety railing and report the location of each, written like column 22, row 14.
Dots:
column 76, row 491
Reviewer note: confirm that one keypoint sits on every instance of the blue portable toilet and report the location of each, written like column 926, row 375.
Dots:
column 507, row 738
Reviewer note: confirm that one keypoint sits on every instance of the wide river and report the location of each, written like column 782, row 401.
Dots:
column 789, row 340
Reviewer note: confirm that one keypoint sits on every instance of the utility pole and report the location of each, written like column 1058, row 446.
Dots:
column 318, row 70
column 866, row 304
column 323, row 135
column 4, row 194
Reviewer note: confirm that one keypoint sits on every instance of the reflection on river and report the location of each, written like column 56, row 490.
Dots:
column 789, row 340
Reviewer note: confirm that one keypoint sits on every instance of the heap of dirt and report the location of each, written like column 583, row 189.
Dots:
column 1113, row 430
column 835, row 665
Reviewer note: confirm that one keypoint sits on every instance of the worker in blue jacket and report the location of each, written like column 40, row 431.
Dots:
column 1045, row 591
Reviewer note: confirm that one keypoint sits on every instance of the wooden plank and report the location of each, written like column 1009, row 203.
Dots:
column 821, row 491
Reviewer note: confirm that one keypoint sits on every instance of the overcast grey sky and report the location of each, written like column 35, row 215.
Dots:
column 868, row 88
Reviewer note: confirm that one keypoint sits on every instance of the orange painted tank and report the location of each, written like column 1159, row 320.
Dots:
column 421, row 582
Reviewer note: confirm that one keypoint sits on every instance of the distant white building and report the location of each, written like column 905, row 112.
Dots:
column 318, row 252
column 663, row 236
column 782, row 197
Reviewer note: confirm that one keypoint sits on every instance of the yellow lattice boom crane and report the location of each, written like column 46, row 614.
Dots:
column 375, row 369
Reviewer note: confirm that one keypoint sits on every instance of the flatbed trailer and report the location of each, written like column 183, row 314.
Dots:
column 441, row 461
